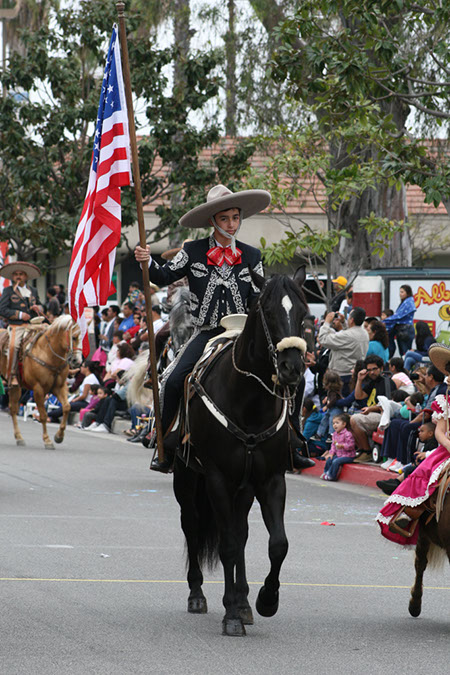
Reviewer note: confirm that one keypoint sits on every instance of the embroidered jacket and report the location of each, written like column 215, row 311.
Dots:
column 215, row 291
column 12, row 302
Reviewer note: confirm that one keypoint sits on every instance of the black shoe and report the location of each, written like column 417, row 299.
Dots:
column 301, row 462
column 138, row 438
column 388, row 486
column 163, row 467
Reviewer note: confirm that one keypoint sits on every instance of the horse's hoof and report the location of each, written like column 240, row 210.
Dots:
column 233, row 628
column 58, row 439
column 414, row 609
column 246, row 615
column 197, row 606
column 20, row 441
column 49, row 446
column 265, row 608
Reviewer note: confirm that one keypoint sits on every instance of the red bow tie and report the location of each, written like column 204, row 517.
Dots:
column 218, row 254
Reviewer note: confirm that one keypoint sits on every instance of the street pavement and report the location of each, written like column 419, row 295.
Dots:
column 92, row 576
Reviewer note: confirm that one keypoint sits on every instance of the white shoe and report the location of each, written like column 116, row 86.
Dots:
column 396, row 467
column 92, row 426
column 387, row 463
column 101, row 428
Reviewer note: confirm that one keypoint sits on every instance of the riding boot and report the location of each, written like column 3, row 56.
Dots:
column 166, row 465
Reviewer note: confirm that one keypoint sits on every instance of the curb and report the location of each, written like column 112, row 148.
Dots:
column 359, row 474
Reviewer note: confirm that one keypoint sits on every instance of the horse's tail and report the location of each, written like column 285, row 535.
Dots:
column 135, row 375
column 436, row 557
column 208, row 534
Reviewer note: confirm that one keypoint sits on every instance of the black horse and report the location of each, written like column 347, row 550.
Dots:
column 238, row 424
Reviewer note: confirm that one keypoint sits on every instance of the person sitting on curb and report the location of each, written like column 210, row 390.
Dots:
column 342, row 449
column 428, row 443
column 369, row 385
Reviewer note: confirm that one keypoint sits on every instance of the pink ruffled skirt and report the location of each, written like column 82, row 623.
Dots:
column 413, row 491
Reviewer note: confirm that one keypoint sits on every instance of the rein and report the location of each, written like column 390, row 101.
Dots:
column 287, row 396
column 65, row 359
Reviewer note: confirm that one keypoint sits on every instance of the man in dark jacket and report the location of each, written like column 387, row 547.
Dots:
column 219, row 281
column 18, row 304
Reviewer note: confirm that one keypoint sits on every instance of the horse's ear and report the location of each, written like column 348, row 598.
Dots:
column 257, row 279
column 300, row 275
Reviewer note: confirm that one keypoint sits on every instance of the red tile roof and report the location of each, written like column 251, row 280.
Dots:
column 313, row 195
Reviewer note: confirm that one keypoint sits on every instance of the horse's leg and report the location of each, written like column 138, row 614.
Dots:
column 222, row 502
column 60, row 392
column 14, row 396
column 185, row 483
column 272, row 498
column 421, row 560
column 39, row 397
column 244, row 502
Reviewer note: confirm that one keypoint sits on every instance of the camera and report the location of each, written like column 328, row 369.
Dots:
column 414, row 376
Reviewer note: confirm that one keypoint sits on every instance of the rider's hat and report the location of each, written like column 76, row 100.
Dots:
column 220, row 198
column 172, row 252
column 440, row 357
column 30, row 270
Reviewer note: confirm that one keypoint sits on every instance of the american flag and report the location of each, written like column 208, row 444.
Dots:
column 98, row 232
column 4, row 259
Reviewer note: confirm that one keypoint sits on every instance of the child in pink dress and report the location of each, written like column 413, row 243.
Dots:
column 419, row 485
column 342, row 450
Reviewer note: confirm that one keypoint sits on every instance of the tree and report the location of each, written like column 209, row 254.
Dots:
column 46, row 127
column 342, row 58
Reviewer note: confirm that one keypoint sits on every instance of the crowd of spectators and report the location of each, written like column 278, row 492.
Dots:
column 367, row 388
column 97, row 390
column 355, row 384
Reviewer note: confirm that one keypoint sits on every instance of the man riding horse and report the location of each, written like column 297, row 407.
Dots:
column 19, row 303
column 217, row 268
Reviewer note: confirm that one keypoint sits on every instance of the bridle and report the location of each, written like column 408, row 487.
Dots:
column 295, row 342
column 71, row 351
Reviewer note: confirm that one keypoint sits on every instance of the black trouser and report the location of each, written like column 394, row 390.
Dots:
column 173, row 386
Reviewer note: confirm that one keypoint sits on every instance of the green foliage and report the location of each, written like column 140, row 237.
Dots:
column 46, row 128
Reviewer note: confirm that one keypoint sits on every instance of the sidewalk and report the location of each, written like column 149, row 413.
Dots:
column 361, row 474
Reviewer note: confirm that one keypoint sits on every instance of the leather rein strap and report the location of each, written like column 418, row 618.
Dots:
column 250, row 441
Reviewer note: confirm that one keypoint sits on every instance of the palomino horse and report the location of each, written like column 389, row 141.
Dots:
column 45, row 366
column 238, row 425
column 433, row 545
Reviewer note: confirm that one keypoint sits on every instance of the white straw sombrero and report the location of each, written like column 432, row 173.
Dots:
column 220, row 198
column 31, row 270
column 440, row 357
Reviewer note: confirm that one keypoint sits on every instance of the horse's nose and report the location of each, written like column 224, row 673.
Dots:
column 289, row 372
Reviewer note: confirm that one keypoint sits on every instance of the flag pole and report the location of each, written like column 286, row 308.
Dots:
column 120, row 6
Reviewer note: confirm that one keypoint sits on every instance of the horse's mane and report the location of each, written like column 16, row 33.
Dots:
column 61, row 323
column 278, row 284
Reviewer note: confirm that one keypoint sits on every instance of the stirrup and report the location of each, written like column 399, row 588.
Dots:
column 396, row 528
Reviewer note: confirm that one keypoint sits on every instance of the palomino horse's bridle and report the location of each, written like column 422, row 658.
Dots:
column 65, row 359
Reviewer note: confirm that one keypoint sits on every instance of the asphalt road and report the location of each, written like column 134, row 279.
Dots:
column 92, row 576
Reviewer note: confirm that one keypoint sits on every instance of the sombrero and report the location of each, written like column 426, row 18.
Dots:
column 440, row 357
column 31, row 270
column 172, row 252
column 220, row 198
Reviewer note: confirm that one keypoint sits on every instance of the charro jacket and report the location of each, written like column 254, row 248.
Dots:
column 12, row 303
column 215, row 291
